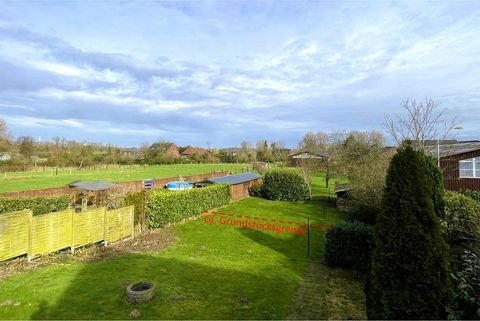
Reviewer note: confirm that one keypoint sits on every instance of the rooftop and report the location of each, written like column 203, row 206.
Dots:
column 455, row 148
column 93, row 186
column 306, row 154
column 235, row 179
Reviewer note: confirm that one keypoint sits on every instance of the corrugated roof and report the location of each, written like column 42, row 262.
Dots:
column 94, row 186
column 455, row 149
column 235, row 179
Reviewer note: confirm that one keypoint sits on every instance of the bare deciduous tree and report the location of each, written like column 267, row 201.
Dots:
column 314, row 142
column 424, row 122
column 5, row 143
column 3, row 128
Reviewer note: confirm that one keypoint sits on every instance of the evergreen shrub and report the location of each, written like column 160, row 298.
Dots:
column 285, row 185
column 348, row 245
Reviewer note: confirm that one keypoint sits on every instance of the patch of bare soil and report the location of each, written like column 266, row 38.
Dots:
column 148, row 242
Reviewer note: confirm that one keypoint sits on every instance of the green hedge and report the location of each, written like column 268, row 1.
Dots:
column 39, row 205
column 163, row 208
column 285, row 185
column 137, row 199
column 461, row 219
column 465, row 301
column 349, row 244
column 256, row 190
column 473, row 194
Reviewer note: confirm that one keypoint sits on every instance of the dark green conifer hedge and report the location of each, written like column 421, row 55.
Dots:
column 348, row 245
column 409, row 276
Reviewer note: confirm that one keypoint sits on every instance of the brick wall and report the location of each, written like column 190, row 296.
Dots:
column 241, row 190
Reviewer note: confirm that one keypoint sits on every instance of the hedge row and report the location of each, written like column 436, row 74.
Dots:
column 285, row 185
column 465, row 302
column 473, row 194
column 137, row 199
column 461, row 219
column 38, row 205
column 164, row 208
column 349, row 244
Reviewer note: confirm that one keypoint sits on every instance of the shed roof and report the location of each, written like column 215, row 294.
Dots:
column 447, row 150
column 307, row 155
column 235, row 179
column 93, row 186
column 345, row 187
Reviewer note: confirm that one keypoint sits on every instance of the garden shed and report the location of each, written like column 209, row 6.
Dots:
column 85, row 190
column 342, row 191
column 239, row 183
column 298, row 159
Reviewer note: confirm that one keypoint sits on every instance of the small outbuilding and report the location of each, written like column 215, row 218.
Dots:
column 342, row 191
column 93, row 192
column 299, row 158
column 239, row 183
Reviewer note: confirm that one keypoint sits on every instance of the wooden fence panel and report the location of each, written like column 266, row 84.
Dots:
column 88, row 227
column 14, row 234
column 51, row 232
column 119, row 224
column 22, row 233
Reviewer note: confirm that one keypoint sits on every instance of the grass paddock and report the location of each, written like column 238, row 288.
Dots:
column 23, row 181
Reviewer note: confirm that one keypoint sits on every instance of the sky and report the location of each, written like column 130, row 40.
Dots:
column 215, row 73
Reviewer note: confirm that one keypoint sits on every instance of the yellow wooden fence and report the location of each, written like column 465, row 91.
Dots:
column 22, row 233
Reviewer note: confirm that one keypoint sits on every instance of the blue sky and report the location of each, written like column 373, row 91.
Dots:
column 218, row 73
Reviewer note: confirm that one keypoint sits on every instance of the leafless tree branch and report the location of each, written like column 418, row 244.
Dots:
column 424, row 122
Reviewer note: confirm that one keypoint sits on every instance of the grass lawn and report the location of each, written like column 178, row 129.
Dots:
column 212, row 271
column 319, row 189
column 22, row 181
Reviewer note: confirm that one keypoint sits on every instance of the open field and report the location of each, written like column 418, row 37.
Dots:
column 22, row 181
column 210, row 271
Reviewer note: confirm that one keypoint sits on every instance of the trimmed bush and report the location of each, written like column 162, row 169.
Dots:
column 348, row 245
column 461, row 221
column 473, row 194
column 465, row 303
column 358, row 211
column 164, row 208
column 435, row 178
column 256, row 190
column 38, row 205
column 410, row 272
column 137, row 199
column 285, row 185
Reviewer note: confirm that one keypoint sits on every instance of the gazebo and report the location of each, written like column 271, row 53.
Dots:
column 86, row 189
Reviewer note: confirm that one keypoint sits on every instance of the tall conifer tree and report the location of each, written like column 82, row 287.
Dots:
column 409, row 276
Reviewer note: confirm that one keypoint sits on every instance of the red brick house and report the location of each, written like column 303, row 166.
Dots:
column 172, row 151
column 193, row 151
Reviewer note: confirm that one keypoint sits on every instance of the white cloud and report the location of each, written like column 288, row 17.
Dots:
column 14, row 106
column 26, row 121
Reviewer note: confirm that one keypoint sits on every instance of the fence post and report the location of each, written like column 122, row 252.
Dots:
column 105, row 221
column 132, row 213
column 72, row 248
column 30, row 236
